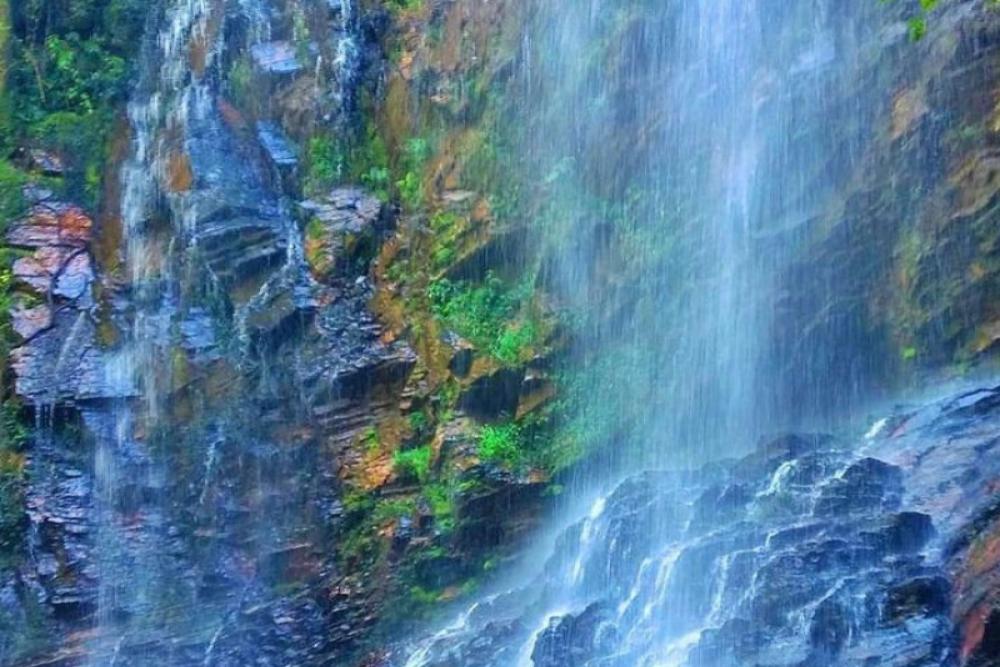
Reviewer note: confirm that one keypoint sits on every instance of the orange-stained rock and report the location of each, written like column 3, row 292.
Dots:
column 973, row 630
column 233, row 117
column 180, row 178
column 51, row 223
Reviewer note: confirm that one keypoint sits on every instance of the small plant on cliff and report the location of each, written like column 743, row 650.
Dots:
column 411, row 185
column 514, row 341
column 501, row 444
column 440, row 499
column 918, row 23
column 413, row 464
column 323, row 165
column 11, row 200
column 405, row 5
column 487, row 314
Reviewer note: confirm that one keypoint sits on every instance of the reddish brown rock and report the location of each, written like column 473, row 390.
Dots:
column 52, row 224
column 57, row 270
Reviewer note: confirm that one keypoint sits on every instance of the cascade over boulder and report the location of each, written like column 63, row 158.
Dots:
column 873, row 559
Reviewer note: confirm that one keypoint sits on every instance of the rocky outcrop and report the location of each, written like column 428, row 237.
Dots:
column 343, row 230
column 184, row 489
column 60, row 357
column 815, row 553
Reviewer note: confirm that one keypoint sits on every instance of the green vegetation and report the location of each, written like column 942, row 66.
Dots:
column 413, row 464
column 918, row 22
column 501, row 444
column 411, row 184
column 67, row 77
column 492, row 315
column 440, row 498
column 405, row 5
column 363, row 159
column 12, row 437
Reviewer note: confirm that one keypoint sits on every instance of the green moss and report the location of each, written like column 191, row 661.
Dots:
column 440, row 498
column 405, row 5
column 361, row 159
column 11, row 199
column 370, row 439
column 419, row 422
column 492, row 315
column 501, row 444
column 413, row 464
column 393, row 509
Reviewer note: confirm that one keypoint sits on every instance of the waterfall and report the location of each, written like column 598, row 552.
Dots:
column 701, row 216
column 202, row 221
column 676, row 249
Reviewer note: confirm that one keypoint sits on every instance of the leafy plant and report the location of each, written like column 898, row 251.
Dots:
column 501, row 444
column 440, row 499
column 411, row 186
column 323, row 164
column 413, row 464
column 487, row 315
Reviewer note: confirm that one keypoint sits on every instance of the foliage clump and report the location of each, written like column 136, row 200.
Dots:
column 413, row 464
column 491, row 315
column 501, row 444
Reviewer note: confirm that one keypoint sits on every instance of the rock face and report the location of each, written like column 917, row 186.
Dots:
column 184, row 488
column 342, row 231
column 807, row 552
column 60, row 357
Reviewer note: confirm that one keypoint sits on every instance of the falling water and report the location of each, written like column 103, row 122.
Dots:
column 697, row 201
column 182, row 199
column 697, row 154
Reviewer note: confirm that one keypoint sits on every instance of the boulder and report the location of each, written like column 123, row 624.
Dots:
column 342, row 232
column 577, row 640
column 493, row 396
column 276, row 58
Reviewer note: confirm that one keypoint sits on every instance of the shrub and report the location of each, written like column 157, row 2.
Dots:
column 501, row 444
column 440, row 499
column 485, row 314
column 413, row 464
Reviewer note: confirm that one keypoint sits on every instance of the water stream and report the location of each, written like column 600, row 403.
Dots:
column 735, row 163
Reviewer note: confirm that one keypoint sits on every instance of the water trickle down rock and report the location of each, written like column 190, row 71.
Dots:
column 216, row 493
column 825, row 556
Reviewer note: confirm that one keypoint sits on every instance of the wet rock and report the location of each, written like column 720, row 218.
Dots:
column 280, row 156
column 923, row 596
column 500, row 511
column 51, row 224
column 496, row 644
column 242, row 246
column 29, row 322
column 277, row 147
column 45, row 162
column 463, row 354
column 342, row 231
column 830, row 627
column 909, row 532
column 276, row 58
column 577, row 640
column 64, row 362
column 858, row 579
column 493, row 396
